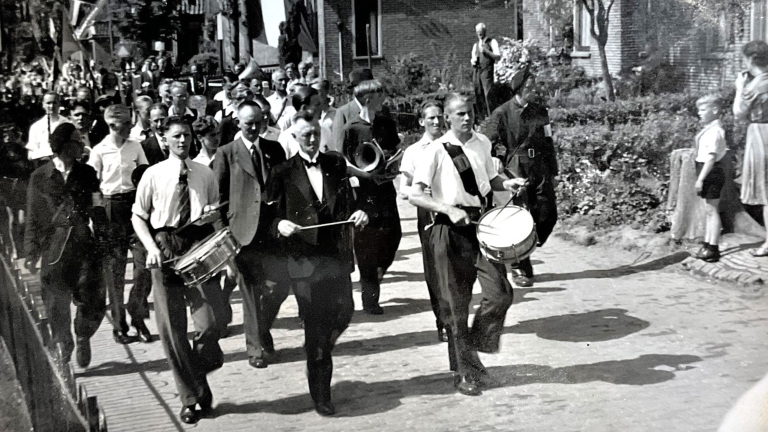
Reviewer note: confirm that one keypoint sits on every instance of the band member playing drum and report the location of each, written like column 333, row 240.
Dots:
column 376, row 244
column 242, row 168
column 432, row 121
column 460, row 171
column 522, row 126
column 171, row 195
column 313, row 188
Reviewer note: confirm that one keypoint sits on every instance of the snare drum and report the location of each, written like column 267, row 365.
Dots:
column 507, row 235
column 207, row 258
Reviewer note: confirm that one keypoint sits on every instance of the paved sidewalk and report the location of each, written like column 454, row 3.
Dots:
column 604, row 341
column 736, row 265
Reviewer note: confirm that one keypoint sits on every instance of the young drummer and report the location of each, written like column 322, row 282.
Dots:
column 710, row 150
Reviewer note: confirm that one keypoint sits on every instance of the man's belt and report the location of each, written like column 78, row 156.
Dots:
column 474, row 214
column 126, row 196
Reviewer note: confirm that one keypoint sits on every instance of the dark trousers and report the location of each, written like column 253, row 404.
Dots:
column 459, row 262
column 118, row 208
column 482, row 80
column 189, row 364
column 74, row 278
column 325, row 303
column 264, row 285
column 375, row 248
column 423, row 218
column 138, row 298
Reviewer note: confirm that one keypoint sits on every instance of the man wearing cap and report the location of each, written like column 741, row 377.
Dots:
column 114, row 160
column 485, row 54
column 351, row 110
column 522, row 126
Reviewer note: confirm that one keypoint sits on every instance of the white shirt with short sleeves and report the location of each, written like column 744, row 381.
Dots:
column 114, row 165
column 411, row 157
column 157, row 199
column 711, row 140
column 38, row 144
column 437, row 171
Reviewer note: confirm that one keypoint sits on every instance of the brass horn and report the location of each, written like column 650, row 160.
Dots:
column 369, row 156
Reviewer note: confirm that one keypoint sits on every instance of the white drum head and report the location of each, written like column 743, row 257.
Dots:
column 201, row 249
column 505, row 227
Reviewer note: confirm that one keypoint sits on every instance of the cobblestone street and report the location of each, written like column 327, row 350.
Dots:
column 606, row 340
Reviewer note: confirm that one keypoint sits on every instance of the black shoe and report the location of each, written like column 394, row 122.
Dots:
column 466, row 385
column 258, row 362
column 442, row 334
column 83, row 354
column 121, row 337
column 708, row 254
column 325, row 409
column 374, row 310
column 206, row 404
column 142, row 332
column 189, row 415
column 522, row 280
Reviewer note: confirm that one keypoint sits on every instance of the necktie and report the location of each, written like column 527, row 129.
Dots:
column 182, row 187
column 257, row 164
column 309, row 164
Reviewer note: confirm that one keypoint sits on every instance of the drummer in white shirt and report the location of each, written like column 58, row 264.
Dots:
column 304, row 99
column 431, row 119
column 460, row 171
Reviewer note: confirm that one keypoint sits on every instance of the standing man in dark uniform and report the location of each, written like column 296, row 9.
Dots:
column 377, row 243
column 242, row 168
column 313, row 188
column 522, row 126
column 459, row 169
column 485, row 54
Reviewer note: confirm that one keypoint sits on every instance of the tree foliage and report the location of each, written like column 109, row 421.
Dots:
column 144, row 21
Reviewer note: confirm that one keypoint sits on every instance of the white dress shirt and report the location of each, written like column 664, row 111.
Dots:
column 476, row 51
column 157, row 199
column 203, row 158
column 314, row 173
column 276, row 105
column 38, row 144
column 137, row 132
column 114, row 165
column 437, row 171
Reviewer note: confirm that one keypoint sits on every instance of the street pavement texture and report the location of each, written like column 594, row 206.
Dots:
column 606, row 340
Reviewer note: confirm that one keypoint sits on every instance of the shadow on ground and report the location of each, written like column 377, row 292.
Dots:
column 624, row 270
column 357, row 398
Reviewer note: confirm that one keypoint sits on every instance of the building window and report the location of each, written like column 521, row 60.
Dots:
column 364, row 13
column 582, row 27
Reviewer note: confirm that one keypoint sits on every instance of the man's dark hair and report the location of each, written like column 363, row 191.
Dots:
column 61, row 137
column 84, row 105
column 302, row 96
column 756, row 50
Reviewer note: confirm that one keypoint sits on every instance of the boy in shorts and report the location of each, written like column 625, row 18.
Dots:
column 710, row 150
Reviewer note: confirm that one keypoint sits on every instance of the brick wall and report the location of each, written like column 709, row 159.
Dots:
column 430, row 30
column 535, row 23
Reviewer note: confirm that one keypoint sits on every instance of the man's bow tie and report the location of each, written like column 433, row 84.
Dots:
column 309, row 164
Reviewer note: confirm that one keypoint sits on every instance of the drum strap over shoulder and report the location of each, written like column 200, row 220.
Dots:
column 466, row 173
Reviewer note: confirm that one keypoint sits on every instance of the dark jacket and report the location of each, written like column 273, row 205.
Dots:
column 152, row 150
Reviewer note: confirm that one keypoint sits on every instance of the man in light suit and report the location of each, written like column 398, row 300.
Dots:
column 313, row 188
column 242, row 168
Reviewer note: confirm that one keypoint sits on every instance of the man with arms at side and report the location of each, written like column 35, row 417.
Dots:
column 313, row 188
column 458, row 199
column 242, row 168
column 485, row 54
column 154, row 147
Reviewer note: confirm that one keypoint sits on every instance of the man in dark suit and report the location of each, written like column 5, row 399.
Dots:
column 313, row 188
column 242, row 168
column 153, row 145
column 351, row 110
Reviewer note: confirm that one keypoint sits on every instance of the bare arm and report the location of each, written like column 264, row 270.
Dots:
column 141, row 227
column 421, row 199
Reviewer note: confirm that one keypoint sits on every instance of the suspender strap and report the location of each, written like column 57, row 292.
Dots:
column 467, row 175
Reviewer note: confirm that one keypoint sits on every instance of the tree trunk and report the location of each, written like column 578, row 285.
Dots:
column 606, row 73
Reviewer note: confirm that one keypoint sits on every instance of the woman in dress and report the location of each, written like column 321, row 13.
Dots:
column 751, row 104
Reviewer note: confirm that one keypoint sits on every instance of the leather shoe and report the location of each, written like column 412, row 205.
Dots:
column 374, row 310
column 83, row 354
column 189, row 415
column 442, row 334
column 466, row 385
column 121, row 337
column 143, row 332
column 325, row 408
column 522, row 281
column 258, row 362
column 707, row 254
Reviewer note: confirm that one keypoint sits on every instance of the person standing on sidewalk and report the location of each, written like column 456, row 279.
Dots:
column 114, row 159
column 460, row 172
column 170, row 195
column 432, row 122
column 62, row 197
column 485, row 54
column 313, row 188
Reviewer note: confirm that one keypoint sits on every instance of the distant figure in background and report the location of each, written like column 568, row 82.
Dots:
column 710, row 149
column 485, row 54
column 350, row 111
column 207, row 130
column 38, row 146
column 142, row 129
column 288, row 46
column 279, row 99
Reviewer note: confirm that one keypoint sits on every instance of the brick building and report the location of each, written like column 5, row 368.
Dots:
column 708, row 53
column 400, row 27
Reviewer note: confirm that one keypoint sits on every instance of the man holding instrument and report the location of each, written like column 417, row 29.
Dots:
column 174, row 207
column 242, row 168
column 460, row 171
column 314, row 203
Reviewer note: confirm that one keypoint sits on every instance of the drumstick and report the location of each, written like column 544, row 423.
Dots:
column 325, row 225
